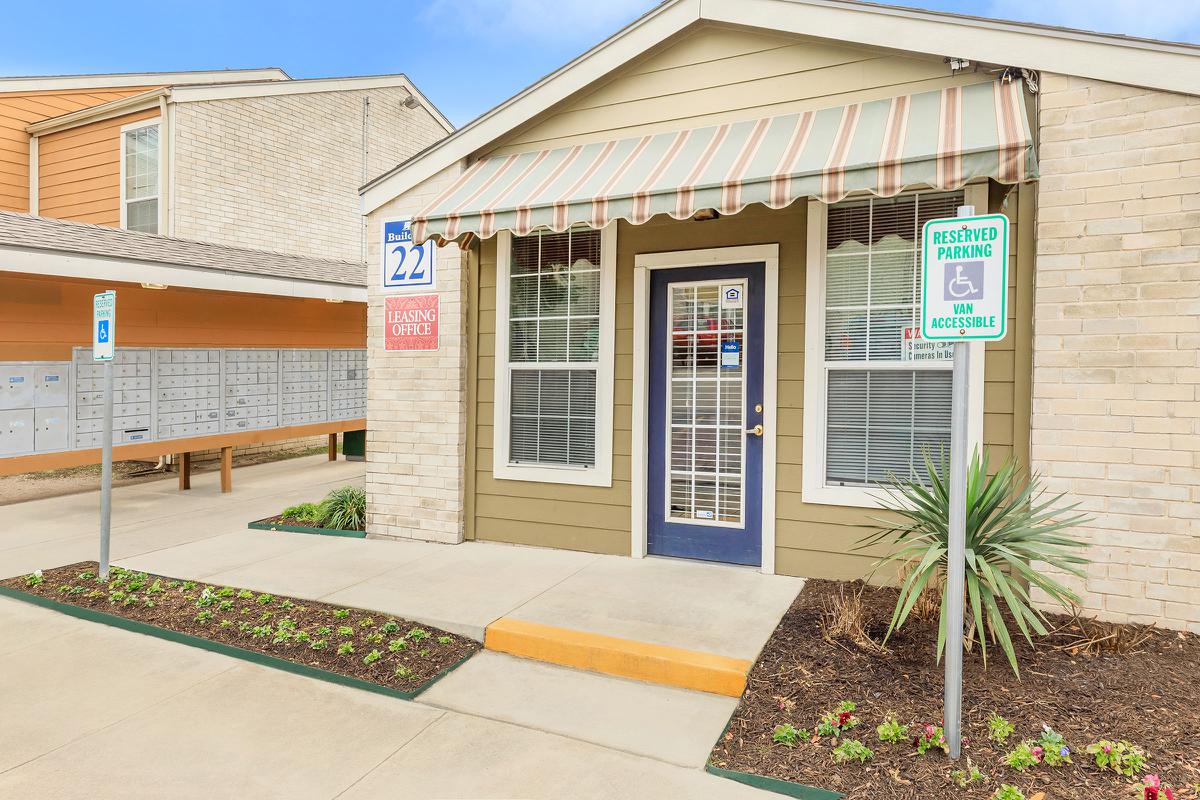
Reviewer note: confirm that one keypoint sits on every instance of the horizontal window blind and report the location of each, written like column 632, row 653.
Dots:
column 553, row 347
column 881, row 419
column 140, row 190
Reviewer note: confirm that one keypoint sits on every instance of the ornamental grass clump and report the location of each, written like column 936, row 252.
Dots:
column 1010, row 523
column 345, row 509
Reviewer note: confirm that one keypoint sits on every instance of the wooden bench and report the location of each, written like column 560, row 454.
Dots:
column 225, row 442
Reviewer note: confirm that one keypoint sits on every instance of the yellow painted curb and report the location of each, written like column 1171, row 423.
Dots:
column 655, row 663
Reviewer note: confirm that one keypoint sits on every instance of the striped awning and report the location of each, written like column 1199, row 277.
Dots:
column 940, row 139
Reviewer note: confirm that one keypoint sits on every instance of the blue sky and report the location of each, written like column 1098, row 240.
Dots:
column 466, row 55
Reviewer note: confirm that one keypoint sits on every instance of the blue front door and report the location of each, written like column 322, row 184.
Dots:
column 704, row 488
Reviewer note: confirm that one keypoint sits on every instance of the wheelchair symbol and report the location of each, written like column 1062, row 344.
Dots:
column 963, row 280
column 961, row 286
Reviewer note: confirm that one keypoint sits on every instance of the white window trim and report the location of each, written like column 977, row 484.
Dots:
column 601, row 473
column 768, row 256
column 814, row 489
column 133, row 126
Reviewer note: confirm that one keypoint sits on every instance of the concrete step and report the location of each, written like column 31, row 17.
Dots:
column 612, row 655
column 668, row 724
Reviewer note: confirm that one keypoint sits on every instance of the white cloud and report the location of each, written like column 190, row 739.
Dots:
column 1177, row 20
column 572, row 22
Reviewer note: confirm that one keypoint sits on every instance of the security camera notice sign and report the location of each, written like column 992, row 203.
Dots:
column 411, row 322
column 964, row 292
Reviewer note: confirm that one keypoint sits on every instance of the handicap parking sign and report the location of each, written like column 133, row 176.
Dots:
column 964, row 287
column 405, row 266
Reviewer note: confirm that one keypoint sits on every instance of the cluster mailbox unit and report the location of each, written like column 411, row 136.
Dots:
column 175, row 393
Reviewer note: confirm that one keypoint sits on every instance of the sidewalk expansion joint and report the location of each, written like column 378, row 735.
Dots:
column 612, row 655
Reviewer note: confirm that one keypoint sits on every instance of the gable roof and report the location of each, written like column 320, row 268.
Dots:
column 1119, row 59
column 144, row 252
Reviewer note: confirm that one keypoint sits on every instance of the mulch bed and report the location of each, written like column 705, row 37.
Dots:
column 279, row 519
column 254, row 623
column 1149, row 696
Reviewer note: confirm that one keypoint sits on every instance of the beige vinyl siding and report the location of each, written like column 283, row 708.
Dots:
column 17, row 110
column 589, row 518
column 812, row 540
column 79, row 171
column 709, row 75
column 715, row 74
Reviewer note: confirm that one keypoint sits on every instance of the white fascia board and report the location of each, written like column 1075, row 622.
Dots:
column 57, row 263
column 638, row 37
column 44, row 83
column 109, row 110
column 1118, row 59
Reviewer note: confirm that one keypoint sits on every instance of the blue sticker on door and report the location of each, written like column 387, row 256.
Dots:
column 705, row 454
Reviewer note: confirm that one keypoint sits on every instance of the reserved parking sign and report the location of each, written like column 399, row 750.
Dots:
column 964, row 290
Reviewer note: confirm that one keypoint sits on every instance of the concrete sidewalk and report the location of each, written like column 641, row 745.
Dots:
column 92, row 711
column 656, row 605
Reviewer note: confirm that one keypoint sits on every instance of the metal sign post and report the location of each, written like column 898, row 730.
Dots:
column 964, row 296
column 104, row 323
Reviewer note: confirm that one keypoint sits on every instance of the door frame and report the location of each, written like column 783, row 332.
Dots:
column 768, row 256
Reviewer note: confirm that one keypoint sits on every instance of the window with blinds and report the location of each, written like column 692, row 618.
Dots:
column 884, row 410
column 139, row 190
column 553, row 348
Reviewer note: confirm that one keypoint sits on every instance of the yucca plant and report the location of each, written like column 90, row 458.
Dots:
column 345, row 509
column 1010, row 523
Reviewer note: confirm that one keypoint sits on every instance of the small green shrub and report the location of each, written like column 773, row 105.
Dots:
column 1008, row 792
column 403, row 672
column 835, row 723
column 1010, row 524
column 444, row 640
column 303, row 512
column 34, row 578
column 203, row 616
column 245, row 594
column 417, row 634
column 264, row 599
column 345, row 509
column 396, row 645
column 785, row 734
column 372, row 657
column 345, row 648
column 1054, row 751
column 1022, row 757
column 892, row 731
column 391, row 626
column 965, row 777
column 319, row 644
column 345, row 630
column 999, row 729
column 1121, row 757
column 852, row 750
column 341, row 613
column 931, row 736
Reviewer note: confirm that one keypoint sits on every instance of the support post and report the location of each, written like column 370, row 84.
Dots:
column 956, row 550
column 227, row 469
column 185, row 471
column 106, row 470
column 333, row 447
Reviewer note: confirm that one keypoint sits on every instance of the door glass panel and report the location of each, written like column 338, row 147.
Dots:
column 706, row 402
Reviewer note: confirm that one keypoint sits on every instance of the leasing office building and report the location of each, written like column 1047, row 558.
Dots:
column 678, row 284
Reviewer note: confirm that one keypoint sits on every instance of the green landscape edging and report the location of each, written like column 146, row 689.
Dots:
column 263, row 525
column 799, row 791
column 786, row 788
column 262, row 659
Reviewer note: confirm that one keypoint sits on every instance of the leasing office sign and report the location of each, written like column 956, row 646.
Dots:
column 964, row 292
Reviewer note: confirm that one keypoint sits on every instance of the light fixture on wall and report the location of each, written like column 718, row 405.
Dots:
column 705, row 214
column 410, row 102
column 154, row 286
column 958, row 64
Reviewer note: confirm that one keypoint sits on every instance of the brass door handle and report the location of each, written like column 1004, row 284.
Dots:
column 757, row 430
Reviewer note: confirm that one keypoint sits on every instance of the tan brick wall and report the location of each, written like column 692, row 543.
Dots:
column 1116, row 392
column 282, row 173
column 417, row 402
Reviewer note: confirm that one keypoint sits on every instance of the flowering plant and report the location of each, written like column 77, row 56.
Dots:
column 931, row 736
column 1121, row 757
column 1025, row 755
column 1151, row 788
column 1053, row 747
column 835, row 723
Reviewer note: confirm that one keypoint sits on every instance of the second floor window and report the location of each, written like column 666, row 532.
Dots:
column 140, row 177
